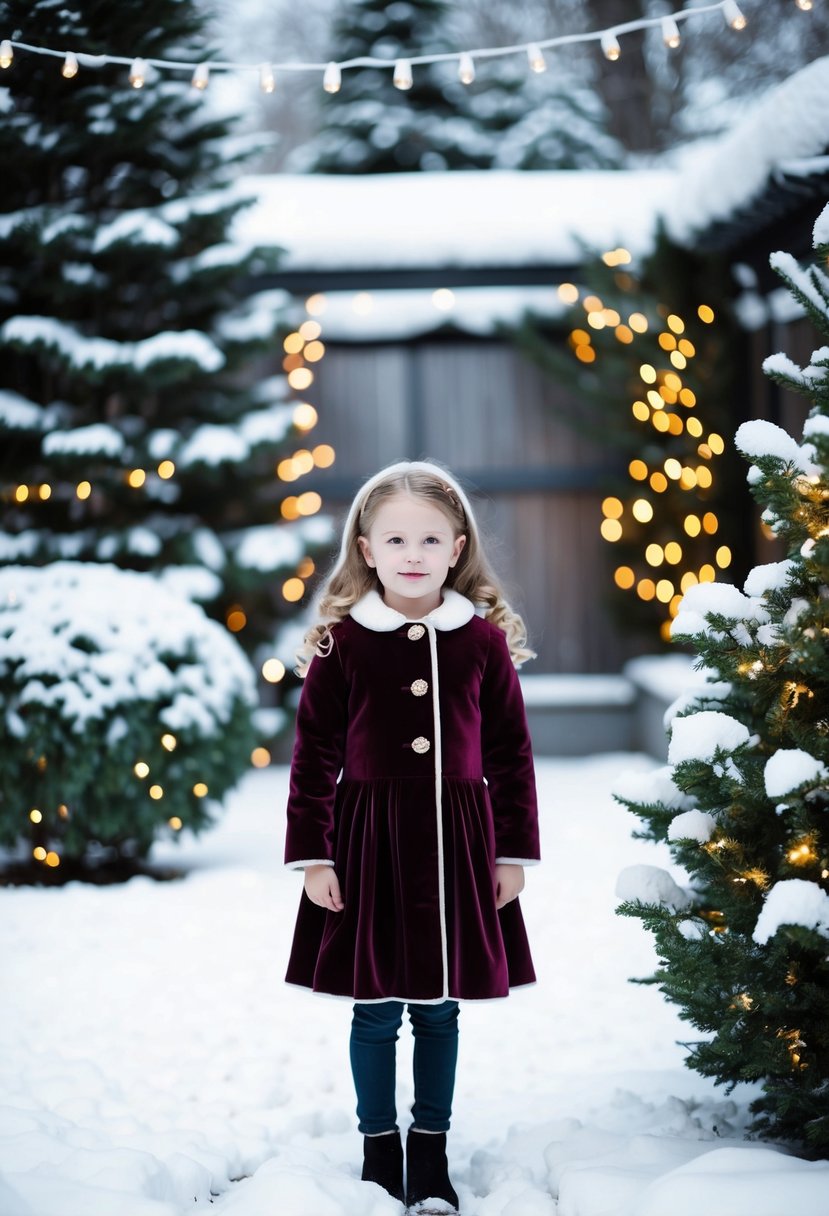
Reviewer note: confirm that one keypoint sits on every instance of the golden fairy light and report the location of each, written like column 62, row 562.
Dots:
column 260, row 757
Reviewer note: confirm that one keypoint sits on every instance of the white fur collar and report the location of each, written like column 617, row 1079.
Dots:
column 374, row 613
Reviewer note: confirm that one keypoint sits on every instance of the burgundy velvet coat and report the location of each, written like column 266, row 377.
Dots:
column 412, row 775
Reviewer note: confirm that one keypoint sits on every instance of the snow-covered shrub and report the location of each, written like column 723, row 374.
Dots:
column 125, row 711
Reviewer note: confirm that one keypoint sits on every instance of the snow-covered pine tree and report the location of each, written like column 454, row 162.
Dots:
column 744, row 803
column 131, row 429
column 371, row 126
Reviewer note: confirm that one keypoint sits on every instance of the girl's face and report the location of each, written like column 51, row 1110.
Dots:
column 412, row 546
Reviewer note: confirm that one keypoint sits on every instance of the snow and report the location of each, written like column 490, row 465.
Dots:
column 141, row 642
column 700, row 736
column 212, row 445
column 790, row 768
column 137, row 228
column 650, row 885
column 651, row 788
column 179, row 1060
column 273, row 547
column 692, row 825
column 99, row 438
column 805, row 280
column 718, row 599
column 727, row 174
column 18, row 413
column 759, row 439
column 665, row 676
column 488, row 218
column 82, row 352
column 772, row 576
column 821, row 229
column 546, row 690
column 794, row 901
column 399, row 314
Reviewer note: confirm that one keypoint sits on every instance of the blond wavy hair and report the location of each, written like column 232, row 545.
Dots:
column 351, row 578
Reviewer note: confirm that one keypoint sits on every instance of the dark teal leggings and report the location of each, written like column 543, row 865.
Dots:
column 373, row 1056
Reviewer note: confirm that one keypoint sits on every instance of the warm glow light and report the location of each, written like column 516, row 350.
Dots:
column 710, row 522
column 673, row 468
column 303, row 462
column 704, row 451
column 310, row 330
column 678, row 359
column 694, row 427
column 585, row 354
column 136, row 478
column 301, row 378
column 592, row 304
column 6, row 53
column 288, row 509
column 52, row 859
column 716, row 444
column 44, row 491
column 688, row 398
column 260, row 757
column 676, row 323
column 611, row 530
column 35, row 815
column 664, row 590
column 638, row 322
column 667, row 341
column 141, row 769
column 675, row 424
column 70, row 66
column 689, row 579
column 648, row 373
column 642, row 511
column 201, row 77
column 692, row 525
column 704, row 478
column 200, row 789
column 306, row 567
column 624, row 577
column 267, row 80
column 670, row 33
column 156, row 792
column 316, row 304
column 83, row 490
column 654, row 555
column 273, row 670
column 169, row 742
column 611, row 317
column 596, row 320
column 466, row 68
column 323, row 455
column 236, row 620
column 624, row 334
column 308, row 503
column 646, row 589
column 175, row 823
column 39, row 853
column 612, row 508
column 707, row 574
column 166, row 469
column 655, row 399
column 293, row 343
column 21, row 493
column 286, row 471
column 673, row 553
column 640, row 411
column 610, row 46
column 304, row 416
column 568, row 293
column 403, row 75
column 638, row 470
column 733, row 16
column 332, row 78
column 688, row 480
column 686, row 348
column 293, row 590
column 705, row 314
column 723, row 557
column 660, row 422
column 579, row 336
column 659, row 482
column 535, row 58
column 138, row 73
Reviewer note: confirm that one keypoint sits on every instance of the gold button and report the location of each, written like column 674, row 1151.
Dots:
column 420, row 745
column 420, row 688
column 416, row 632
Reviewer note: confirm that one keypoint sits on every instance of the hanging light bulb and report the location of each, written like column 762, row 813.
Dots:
column 201, row 77
column 70, row 66
column 610, row 46
column 733, row 16
column 6, row 54
column 267, row 80
column 138, row 73
column 333, row 78
column 536, row 58
column 466, row 68
column 403, row 74
column 670, row 33
column 805, row 6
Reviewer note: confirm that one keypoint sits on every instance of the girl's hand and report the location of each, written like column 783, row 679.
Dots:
column 509, row 882
column 323, row 887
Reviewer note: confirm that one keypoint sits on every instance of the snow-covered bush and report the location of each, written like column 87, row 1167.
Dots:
column 126, row 711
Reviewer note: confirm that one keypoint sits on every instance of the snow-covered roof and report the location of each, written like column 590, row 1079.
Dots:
column 485, row 219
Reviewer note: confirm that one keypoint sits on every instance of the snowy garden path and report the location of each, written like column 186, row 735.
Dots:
column 154, row 1063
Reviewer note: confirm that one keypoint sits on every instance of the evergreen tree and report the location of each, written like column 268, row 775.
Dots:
column 131, row 430
column 743, row 951
column 650, row 359
column 370, row 126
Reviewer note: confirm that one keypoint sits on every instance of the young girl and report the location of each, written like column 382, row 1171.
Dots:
column 412, row 806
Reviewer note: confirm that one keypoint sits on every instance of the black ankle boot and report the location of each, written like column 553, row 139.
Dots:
column 427, row 1175
column 383, row 1163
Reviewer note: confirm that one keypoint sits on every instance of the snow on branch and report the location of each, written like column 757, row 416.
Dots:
column 185, row 346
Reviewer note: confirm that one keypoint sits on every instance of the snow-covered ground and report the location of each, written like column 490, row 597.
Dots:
column 154, row 1063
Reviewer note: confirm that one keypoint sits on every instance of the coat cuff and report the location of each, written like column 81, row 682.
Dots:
column 517, row 861
column 303, row 865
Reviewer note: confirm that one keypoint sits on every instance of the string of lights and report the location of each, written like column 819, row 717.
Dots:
column 140, row 68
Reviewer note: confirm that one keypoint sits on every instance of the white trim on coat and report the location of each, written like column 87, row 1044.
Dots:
column 373, row 612
column 517, row 861
column 303, row 865
column 444, row 948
